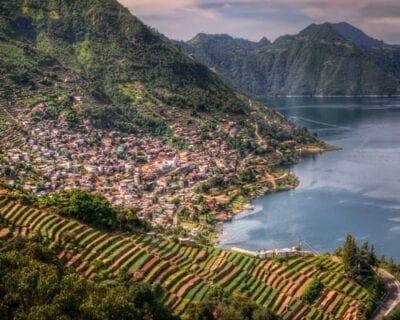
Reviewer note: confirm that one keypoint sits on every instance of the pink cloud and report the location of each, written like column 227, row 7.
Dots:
column 182, row 19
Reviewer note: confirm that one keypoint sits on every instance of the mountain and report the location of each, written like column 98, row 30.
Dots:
column 326, row 59
column 231, row 57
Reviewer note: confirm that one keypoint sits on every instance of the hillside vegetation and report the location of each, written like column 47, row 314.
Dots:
column 108, row 48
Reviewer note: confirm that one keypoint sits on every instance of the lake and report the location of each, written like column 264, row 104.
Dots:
column 355, row 190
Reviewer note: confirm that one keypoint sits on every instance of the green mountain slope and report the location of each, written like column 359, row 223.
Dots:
column 108, row 47
column 326, row 59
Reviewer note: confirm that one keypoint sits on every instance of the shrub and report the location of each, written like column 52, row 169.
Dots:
column 312, row 291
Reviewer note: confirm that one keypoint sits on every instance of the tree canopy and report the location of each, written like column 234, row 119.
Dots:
column 220, row 305
column 350, row 252
column 34, row 285
column 95, row 210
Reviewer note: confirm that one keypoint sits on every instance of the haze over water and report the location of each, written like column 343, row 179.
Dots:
column 355, row 190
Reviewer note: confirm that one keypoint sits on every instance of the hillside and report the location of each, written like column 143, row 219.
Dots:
column 187, row 273
column 326, row 60
column 102, row 43
column 94, row 99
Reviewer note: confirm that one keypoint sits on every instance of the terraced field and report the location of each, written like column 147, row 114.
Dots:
column 186, row 273
column 10, row 133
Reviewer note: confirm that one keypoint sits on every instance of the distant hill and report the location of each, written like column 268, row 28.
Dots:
column 326, row 59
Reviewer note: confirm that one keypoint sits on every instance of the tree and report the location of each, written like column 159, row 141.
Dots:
column 372, row 259
column 312, row 291
column 248, row 175
column 368, row 253
column 89, row 208
column 220, row 305
column 350, row 260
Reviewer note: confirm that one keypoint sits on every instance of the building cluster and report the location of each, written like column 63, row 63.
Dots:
column 275, row 253
column 134, row 170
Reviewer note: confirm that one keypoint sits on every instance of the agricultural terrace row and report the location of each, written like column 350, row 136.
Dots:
column 10, row 132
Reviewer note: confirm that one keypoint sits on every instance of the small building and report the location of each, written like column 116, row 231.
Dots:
column 283, row 253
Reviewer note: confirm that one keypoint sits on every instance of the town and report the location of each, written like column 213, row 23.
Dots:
column 133, row 170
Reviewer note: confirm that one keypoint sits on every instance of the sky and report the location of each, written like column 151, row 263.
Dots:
column 253, row 19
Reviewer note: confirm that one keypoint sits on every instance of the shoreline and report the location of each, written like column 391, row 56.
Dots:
column 327, row 96
column 247, row 207
column 304, row 151
column 317, row 149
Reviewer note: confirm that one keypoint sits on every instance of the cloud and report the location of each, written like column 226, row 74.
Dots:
column 182, row 19
column 155, row 7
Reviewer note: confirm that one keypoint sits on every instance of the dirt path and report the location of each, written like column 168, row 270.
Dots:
column 260, row 139
column 273, row 180
column 5, row 111
column 393, row 297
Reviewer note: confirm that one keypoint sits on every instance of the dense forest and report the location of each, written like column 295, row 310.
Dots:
column 34, row 285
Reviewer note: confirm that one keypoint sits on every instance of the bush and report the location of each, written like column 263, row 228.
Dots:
column 219, row 305
column 312, row 291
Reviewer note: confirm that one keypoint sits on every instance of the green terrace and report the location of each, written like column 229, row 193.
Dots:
column 187, row 273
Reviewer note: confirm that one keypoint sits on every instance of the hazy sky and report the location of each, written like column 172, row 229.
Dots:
column 253, row 19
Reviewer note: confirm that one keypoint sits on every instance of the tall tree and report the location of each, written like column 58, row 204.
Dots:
column 350, row 252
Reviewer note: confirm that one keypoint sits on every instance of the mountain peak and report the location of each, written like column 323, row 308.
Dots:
column 264, row 41
column 356, row 36
column 341, row 30
column 331, row 59
column 324, row 31
column 112, row 48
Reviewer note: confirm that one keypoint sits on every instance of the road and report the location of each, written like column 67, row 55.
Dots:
column 393, row 297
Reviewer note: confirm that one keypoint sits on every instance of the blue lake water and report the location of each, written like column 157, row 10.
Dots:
column 355, row 190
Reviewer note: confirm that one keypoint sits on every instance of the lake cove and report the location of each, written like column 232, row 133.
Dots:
column 354, row 190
